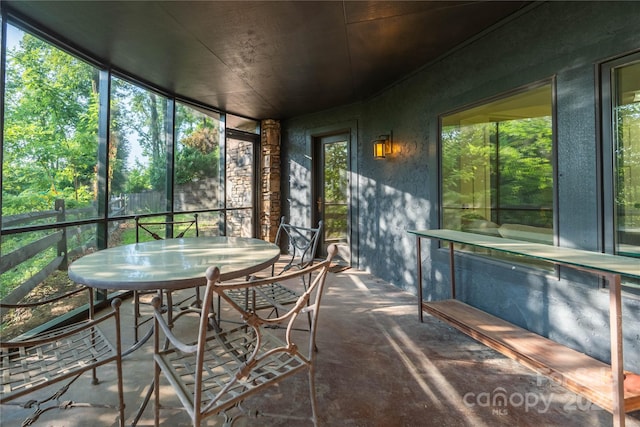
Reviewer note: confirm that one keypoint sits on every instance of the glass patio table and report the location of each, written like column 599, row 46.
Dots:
column 171, row 264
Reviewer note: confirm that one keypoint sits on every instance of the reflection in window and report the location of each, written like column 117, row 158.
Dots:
column 497, row 174
column 626, row 146
column 137, row 149
column 242, row 124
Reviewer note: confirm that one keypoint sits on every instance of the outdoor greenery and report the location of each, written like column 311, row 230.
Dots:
column 51, row 133
column 51, row 143
column 336, row 183
column 499, row 171
column 50, row 128
column 627, row 164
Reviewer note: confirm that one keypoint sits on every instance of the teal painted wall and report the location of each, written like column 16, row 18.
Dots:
column 563, row 40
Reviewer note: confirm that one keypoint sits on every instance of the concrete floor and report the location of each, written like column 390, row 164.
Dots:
column 377, row 366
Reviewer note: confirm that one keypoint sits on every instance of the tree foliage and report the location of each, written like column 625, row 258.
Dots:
column 51, row 119
column 198, row 148
column 500, row 169
column 50, row 148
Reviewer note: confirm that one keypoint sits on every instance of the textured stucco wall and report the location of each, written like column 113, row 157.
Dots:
column 565, row 40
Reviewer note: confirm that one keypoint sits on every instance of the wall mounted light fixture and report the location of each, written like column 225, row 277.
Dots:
column 381, row 147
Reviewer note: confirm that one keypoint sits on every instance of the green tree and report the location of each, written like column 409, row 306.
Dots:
column 498, row 169
column 51, row 116
column 138, row 123
column 198, row 149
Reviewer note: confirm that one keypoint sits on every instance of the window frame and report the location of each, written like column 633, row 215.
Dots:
column 605, row 88
column 106, row 74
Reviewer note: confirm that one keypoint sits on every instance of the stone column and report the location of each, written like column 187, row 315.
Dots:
column 270, row 180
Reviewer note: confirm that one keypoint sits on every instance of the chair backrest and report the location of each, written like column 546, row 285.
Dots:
column 301, row 244
column 33, row 361
column 166, row 227
column 309, row 301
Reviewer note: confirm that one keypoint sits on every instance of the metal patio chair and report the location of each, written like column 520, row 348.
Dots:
column 32, row 362
column 151, row 228
column 221, row 369
column 301, row 244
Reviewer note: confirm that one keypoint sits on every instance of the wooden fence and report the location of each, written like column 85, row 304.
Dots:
column 60, row 239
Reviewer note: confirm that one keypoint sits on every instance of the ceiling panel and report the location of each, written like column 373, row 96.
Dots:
column 266, row 59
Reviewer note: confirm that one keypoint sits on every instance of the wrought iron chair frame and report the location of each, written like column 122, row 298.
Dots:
column 302, row 244
column 221, row 369
column 137, row 323
column 31, row 363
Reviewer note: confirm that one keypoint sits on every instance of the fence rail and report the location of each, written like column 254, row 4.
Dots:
column 62, row 238
column 59, row 240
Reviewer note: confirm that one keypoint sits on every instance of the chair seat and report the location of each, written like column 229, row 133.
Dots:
column 266, row 296
column 225, row 358
column 25, row 368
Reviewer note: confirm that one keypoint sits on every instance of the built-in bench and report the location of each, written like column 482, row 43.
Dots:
column 575, row 371
column 600, row 382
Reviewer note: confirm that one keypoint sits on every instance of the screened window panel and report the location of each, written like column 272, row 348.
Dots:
column 240, row 223
column 197, row 178
column 41, row 276
column 240, row 173
column 138, row 155
column 210, row 224
column 50, row 133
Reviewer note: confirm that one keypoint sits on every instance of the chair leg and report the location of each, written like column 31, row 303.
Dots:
column 156, row 392
column 198, row 302
column 312, row 395
column 136, row 315
column 120, row 391
column 94, row 371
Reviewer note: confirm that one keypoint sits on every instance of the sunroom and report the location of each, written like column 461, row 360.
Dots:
column 387, row 123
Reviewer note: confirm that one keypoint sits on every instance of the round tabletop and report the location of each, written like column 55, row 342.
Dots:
column 173, row 263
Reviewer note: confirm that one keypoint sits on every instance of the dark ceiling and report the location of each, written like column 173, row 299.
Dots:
column 271, row 59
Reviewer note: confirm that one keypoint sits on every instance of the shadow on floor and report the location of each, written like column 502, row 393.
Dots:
column 377, row 366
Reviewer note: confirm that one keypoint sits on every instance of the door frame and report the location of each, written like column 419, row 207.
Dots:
column 313, row 137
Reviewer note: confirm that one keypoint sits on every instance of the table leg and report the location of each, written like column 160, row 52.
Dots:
column 452, row 270
column 617, row 364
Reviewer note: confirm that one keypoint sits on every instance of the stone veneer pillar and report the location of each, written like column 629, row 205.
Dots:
column 270, row 180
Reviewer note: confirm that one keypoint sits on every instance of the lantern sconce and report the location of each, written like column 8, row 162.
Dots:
column 381, row 147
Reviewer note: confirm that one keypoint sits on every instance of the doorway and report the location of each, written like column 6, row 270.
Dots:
column 332, row 193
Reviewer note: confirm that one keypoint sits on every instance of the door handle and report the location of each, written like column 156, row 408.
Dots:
column 319, row 203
